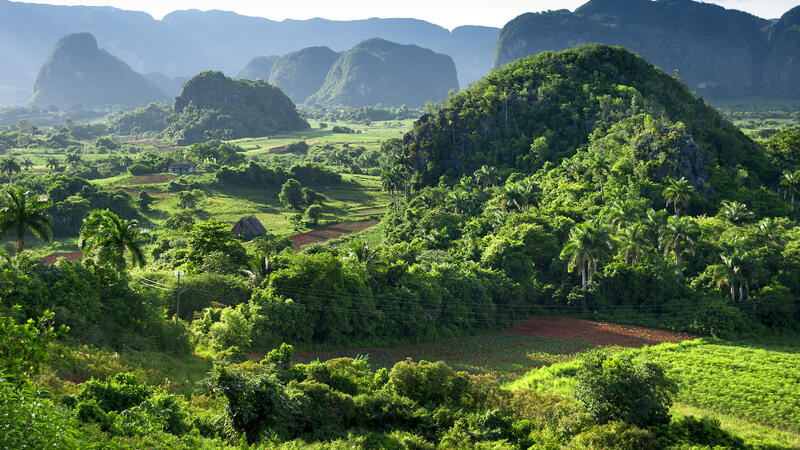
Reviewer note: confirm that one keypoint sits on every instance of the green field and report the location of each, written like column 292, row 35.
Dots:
column 754, row 390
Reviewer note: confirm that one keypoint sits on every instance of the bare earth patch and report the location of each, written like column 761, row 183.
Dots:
column 73, row 256
column 596, row 333
column 330, row 232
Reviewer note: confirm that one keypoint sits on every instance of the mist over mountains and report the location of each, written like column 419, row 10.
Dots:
column 185, row 43
column 720, row 53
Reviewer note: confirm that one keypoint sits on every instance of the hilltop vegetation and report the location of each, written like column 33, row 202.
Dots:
column 211, row 103
column 379, row 72
column 300, row 74
column 259, row 68
column 537, row 111
column 722, row 54
column 77, row 72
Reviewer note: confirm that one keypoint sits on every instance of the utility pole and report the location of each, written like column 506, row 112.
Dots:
column 179, row 274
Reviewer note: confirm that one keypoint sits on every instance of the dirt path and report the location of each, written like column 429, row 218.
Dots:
column 73, row 256
column 330, row 232
column 596, row 333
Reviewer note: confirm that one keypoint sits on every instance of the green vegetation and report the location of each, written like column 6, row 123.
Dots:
column 722, row 54
column 753, row 383
column 300, row 74
column 584, row 183
column 379, row 72
column 203, row 110
column 77, row 72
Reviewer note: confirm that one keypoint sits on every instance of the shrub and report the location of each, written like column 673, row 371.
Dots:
column 292, row 194
column 616, row 435
column 689, row 431
column 313, row 213
column 613, row 387
column 428, row 383
column 117, row 393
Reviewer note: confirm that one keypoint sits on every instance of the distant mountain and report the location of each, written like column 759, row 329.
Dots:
column 77, row 72
column 185, row 43
column 211, row 105
column 170, row 86
column 781, row 68
column 379, row 72
column 300, row 74
column 258, row 68
column 718, row 52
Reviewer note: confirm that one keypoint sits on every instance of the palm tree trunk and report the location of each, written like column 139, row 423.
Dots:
column 20, row 244
column 733, row 293
column 583, row 277
column 792, row 201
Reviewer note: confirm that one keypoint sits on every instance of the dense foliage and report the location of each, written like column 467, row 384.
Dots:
column 213, row 105
column 77, row 73
column 721, row 53
column 379, row 72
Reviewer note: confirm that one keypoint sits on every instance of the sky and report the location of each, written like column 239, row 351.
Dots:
column 447, row 13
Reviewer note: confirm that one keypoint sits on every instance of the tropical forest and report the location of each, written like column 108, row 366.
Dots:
column 580, row 230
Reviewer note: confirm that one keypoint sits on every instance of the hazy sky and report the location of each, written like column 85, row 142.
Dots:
column 447, row 13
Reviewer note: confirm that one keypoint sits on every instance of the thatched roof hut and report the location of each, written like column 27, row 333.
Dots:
column 248, row 228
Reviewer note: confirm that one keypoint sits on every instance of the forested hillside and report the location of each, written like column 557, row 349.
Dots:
column 258, row 68
column 212, row 104
column 300, row 74
column 720, row 53
column 79, row 73
column 383, row 73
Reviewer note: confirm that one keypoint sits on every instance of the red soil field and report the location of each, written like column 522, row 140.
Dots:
column 74, row 256
column 595, row 333
column 330, row 232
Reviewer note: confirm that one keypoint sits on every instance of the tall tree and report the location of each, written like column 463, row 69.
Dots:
column 486, row 176
column 633, row 243
column 52, row 163
column 678, row 237
column 21, row 212
column 735, row 212
column 27, row 164
column 588, row 242
column 9, row 166
column 108, row 238
column 678, row 193
column 791, row 180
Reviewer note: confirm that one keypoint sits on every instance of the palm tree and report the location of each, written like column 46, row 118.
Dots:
column 27, row 164
column 633, row 243
column 791, row 180
column 588, row 243
column 21, row 212
column 512, row 197
column 9, row 166
column 74, row 159
column 678, row 237
column 393, row 180
column 769, row 231
column 622, row 213
column 600, row 169
column 678, row 193
column 735, row 212
column 108, row 237
column 460, row 199
column 736, row 271
column 486, row 176
column 259, row 268
column 52, row 163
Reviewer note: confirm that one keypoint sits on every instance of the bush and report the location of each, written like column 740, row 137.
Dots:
column 616, row 435
column 116, row 393
column 313, row 213
column 292, row 194
column 689, row 431
column 612, row 388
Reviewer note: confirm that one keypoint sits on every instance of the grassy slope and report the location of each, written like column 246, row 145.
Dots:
column 754, row 390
